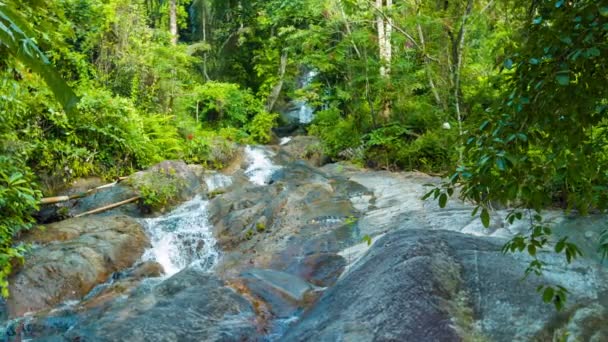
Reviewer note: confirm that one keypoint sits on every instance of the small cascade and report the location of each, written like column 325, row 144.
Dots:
column 182, row 237
column 285, row 140
column 260, row 168
column 300, row 110
column 217, row 181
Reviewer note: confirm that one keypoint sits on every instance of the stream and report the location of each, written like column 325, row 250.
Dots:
column 283, row 256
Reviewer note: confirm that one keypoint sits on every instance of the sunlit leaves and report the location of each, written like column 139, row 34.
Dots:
column 19, row 42
column 556, row 295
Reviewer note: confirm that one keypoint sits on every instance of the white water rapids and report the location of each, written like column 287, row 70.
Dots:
column 184, row 236
column 260, row 168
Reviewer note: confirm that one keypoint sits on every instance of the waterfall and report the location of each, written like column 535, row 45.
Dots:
column 259, row 166
column 182, row 237
column 301, row 111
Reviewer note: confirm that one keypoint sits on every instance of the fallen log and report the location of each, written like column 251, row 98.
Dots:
column 108, row 207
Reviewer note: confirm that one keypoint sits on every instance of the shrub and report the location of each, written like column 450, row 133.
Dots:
column 336, row 132
column 260, row 128
column 157, row 189
column 222, row 104
column 18, row 199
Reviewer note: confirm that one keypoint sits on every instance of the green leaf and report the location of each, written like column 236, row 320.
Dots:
column 563, row 77
column 427, row 195
column 367, row 239
column 443, row 200
column 561, row 244
column 485, row 218
column 500, row 163
column 532, row 250
column 593, row 52
column 548, row 294
column 604, row 11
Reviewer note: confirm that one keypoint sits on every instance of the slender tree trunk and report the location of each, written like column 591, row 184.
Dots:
column 205, row 55
column 173, row 21
column 457, row 54
column 381, row 27
column 427, row 62
column 348, row 29
column 388, row 33
column 276, row 91
column 384, row 25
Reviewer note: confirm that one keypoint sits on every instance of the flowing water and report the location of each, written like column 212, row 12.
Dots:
column 259, row 166
column 302, row 111
column 182, row 237
column 217, row 181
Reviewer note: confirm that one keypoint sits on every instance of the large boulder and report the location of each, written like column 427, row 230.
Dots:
column 282, row 292
column 421, row 285
column 303, row 212
column 190, row 306
column 71, row 257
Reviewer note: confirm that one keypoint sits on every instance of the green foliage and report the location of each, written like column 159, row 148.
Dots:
column 260, row 127
column 18, row 200
column 223, row 104
column 538, row 147
column 158, row 189
column 19, row 39
column 337, row 134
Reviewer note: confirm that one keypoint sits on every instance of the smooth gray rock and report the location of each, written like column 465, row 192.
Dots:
column 283, row 292
column 190, row 306
column 421, row 285
column 70, row 258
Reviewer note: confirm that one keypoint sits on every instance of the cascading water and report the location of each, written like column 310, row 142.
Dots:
column 301, row 110
column 182, row 237
column 217, row 181
column 260, row 168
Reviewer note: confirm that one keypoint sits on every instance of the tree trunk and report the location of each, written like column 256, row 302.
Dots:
column 458, row 46
column 348, row 29
column 205, row 55
column 276, row 91
column 384, row 25
column 173, row 21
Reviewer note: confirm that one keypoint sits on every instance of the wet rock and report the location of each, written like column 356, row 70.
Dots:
column 303, row 212
column 190, row 306
column 186, row 178
column 421, row 285
column 70, row 257
column 307, row 148
column 321, row 269
column 283, row 292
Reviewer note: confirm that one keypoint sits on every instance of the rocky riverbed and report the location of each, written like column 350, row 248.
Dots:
column 273, row 250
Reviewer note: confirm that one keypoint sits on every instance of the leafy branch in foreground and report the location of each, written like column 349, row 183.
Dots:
column 539, row 148
column 19, row 41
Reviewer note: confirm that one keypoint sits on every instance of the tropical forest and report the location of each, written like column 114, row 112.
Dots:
column 304, row 170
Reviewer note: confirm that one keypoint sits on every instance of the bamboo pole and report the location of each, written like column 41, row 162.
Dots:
column 58, row 199
column 108, row 207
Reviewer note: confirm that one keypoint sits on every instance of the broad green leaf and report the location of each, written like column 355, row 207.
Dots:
column 485, row 217
column 443, row 200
